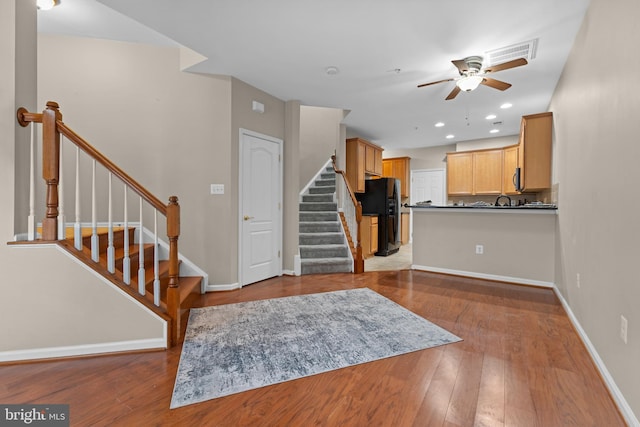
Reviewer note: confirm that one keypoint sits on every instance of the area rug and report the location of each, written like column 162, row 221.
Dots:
column 238, row 347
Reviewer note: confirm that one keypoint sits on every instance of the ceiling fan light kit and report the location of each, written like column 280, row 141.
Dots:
column 469, row 83
column 472, row 75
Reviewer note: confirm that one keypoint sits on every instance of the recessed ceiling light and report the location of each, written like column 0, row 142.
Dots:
column 439, row 124
column 450, row 136
column 491, row 117
column 332, row 70
column 506, row 105
column 494, row 131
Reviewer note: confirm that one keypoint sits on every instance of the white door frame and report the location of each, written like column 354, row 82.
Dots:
column 241, row 222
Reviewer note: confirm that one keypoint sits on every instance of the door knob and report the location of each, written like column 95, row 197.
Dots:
column 247, row 217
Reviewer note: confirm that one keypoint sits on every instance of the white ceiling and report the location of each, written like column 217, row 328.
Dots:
column 383, row 50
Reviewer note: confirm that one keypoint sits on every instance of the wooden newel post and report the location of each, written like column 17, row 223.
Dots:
column 173, row 291
column 358, row 263
column 51, row 168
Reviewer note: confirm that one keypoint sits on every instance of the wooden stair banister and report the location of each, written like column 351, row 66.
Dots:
column 52, row 129
column 358, row 259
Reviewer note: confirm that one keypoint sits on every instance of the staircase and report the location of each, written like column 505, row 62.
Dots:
column 323, row 248
column 190, row 286
column 123, row 255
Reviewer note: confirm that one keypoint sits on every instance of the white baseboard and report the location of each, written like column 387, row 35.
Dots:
column 288, row 273
column 297, row 265
column 222, row 287
column 619, row 399
column 509, row 279
column 83, row 350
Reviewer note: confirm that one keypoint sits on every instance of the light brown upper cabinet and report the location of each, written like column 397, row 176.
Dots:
column 510, row 164
column 399, row 168
column 487, row 172
column 521, row 168
column 363, row 159
column 534, row 154
column 460, row 173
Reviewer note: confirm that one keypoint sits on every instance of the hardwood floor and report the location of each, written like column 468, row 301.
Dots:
column 520, row 364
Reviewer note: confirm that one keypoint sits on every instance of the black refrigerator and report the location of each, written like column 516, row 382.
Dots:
column 382, row 197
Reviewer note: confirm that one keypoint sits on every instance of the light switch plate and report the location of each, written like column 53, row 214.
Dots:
column 217, row 188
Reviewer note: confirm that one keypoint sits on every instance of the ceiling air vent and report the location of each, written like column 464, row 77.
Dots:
column 525, row 50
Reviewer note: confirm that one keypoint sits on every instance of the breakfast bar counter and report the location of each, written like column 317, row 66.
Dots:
column 506, row 243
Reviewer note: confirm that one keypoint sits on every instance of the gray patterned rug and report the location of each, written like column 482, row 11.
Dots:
column 237, row 347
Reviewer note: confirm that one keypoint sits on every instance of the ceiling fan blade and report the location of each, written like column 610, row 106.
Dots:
column 453, row 94
column 461, row 65
column 496, row 84
column 506, row 65
column 433, row 83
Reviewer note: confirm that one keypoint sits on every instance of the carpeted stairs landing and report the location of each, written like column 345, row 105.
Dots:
column 323, row 248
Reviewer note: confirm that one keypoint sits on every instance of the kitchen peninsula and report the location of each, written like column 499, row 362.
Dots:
column 511, row 243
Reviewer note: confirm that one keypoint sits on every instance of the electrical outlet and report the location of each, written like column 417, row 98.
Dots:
column 578, row 280
column 217, row 188
column 479, row 249
column 623, row 328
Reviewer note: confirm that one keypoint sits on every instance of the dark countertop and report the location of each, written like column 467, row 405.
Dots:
column 490, row 207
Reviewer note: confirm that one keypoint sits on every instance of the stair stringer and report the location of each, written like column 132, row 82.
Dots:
column 187, row 267
column 76, row 318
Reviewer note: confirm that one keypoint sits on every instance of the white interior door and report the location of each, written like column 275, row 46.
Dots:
column 260, row 207
column 428, row 185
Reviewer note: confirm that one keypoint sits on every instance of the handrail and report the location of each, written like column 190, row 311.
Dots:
column 358, row 261
column 52, row 129
column 112, row 167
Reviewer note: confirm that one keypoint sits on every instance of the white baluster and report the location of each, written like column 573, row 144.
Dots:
column 62, row 228
column 95, row 248
column 156, row 263
column 111, row 252
column 31, row 220
column 126, row 261
column 141, row 272
column 77, row 228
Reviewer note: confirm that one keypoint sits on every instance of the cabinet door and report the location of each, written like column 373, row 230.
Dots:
column 377, row 162
column 373, row 239
column 404, row 227
column 535, row 152
column 370, row 160
column 459, row 174
column 487, row 172
column 510, row 163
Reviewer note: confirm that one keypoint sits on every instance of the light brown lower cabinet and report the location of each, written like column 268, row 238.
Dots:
column 369, row 237
column 404, row 228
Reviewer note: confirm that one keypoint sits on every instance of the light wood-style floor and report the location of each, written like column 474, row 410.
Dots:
column 520, row 364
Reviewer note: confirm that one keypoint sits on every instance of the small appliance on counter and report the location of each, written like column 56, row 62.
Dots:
column 382, row 197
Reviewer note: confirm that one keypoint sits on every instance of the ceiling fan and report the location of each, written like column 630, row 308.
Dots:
column 472, row 75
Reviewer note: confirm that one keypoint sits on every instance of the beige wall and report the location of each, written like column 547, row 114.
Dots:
column 423, row 158
column 596, row 152
column 481, row 144
column 518, row 246
column 270, row 123
column 177, row 133
column 319, row 139
column 48, row 301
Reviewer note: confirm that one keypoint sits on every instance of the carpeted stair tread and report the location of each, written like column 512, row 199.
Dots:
column 319, row 226
column 328, row 197
column 321, row 238
column 322, row 190
column 324, row 251
column 307, row 216
column 318, row 206
column 326, row 265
